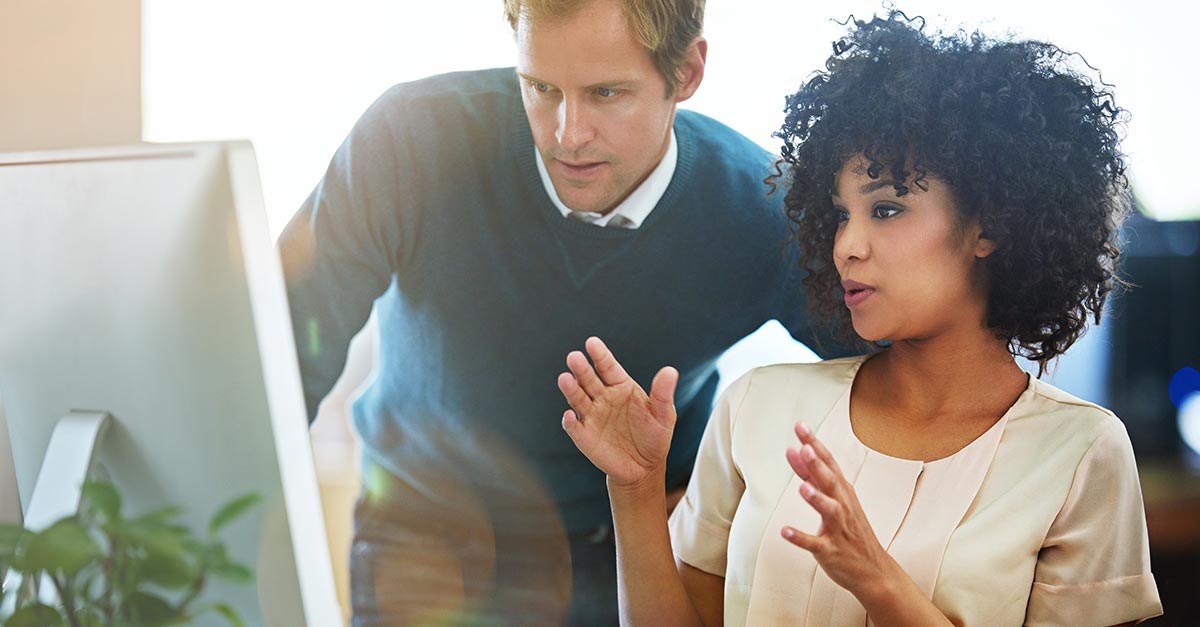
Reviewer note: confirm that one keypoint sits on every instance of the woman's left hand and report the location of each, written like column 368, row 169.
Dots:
column 845, row 546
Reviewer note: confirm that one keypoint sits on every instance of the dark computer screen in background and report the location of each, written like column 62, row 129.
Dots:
column 1154, row 330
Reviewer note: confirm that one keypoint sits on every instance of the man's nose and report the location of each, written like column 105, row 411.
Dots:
column 575, row 128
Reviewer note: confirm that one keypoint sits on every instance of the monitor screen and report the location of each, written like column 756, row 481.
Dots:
column 142, row 282
column 1155, row 332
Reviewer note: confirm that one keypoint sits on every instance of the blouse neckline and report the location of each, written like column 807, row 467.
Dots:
column 843, row 409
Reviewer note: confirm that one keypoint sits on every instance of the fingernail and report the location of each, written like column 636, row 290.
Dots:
column 804, row 429
column 788, row 533
column 809, row 453
column 806, row 490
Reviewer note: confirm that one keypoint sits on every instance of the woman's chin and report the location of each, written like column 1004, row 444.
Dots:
column 868, row 333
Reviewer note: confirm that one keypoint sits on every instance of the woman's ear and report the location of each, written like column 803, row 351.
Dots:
column 975, row 236
column 984, row 247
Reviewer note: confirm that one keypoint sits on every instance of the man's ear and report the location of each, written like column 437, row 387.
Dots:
column 691, row 73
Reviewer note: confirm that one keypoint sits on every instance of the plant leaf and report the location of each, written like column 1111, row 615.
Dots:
column 102, row 497
column 155, row 537
column 36, row 615
column 231, row 510
column 63, row 547
column 226, row 611
column 12, row 537
column 143, row 608
column 232, row 571
column 91, row 620
column 159, row 516
column 87, row 615
column 172, row 572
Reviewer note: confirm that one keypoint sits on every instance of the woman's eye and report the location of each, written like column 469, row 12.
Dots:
column 539, row 87
column 886, row 211
column 842, row 214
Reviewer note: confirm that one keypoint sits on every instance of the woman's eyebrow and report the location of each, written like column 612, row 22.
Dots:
column 875, row 185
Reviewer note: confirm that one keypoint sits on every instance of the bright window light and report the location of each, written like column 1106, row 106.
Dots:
column 293, row 76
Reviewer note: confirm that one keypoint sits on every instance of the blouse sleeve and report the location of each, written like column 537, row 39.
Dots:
column 1094, row 567
column 700, row 523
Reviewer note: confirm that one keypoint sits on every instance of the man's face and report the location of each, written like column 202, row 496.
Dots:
column 597, row 105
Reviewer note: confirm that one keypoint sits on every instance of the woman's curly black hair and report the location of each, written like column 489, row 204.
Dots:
column 1027, row 144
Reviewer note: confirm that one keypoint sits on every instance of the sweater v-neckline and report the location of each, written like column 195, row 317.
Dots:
column 568, row 234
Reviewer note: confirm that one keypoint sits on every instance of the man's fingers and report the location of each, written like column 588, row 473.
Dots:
column 575, row 395
column 662, row 394
column 572, row 425
column 585, row 375
column 607, row 366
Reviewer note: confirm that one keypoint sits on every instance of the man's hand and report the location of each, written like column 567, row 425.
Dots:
column 612, row 421
column 674, row 497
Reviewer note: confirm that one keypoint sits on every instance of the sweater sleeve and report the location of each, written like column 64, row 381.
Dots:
column 340, row 249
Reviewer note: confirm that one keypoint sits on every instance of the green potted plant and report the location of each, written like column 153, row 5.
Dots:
column 107, row 570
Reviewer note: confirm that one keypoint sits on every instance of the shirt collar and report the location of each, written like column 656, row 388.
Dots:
column 632, row 211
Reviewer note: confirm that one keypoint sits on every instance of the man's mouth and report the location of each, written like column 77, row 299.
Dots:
column 580, row 169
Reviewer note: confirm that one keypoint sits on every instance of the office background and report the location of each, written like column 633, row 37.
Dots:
column 294, row 76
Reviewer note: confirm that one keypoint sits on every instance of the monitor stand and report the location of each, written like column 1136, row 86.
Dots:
column 67, row 464
column 58, row 490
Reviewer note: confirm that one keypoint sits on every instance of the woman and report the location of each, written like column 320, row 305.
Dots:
column 955, row 199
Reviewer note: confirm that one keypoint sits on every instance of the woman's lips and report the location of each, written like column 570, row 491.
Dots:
column 856, row 292
column 856, row 297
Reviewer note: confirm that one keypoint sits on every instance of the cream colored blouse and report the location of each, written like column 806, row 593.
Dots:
column 1038, row 521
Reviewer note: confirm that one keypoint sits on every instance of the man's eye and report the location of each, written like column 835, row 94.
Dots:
column 539, row 87
column 605, row 92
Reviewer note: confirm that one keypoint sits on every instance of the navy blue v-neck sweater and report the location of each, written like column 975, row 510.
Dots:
column 433, row 211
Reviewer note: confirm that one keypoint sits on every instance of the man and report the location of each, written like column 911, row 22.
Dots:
column 496, row 219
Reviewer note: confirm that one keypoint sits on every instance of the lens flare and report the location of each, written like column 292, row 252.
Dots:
column 1184, row 383
column 1189, row 421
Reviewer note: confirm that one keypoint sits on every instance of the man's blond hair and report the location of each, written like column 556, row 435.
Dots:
column 665, row 27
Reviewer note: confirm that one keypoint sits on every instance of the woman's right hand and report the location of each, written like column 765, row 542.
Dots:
column 622, row 430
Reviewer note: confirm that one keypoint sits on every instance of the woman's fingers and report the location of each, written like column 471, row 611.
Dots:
column 585, row 375
column 796, row 461
column 810, row 543
column 576, row 397
column 819, row 472
column 810, row 467
column 807, row 436
column 830, row 509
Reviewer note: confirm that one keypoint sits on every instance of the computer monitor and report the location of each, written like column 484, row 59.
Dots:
column 1156, row 332
column 141, row 283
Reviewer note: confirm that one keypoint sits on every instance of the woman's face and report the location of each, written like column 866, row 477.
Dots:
column 908, row 264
